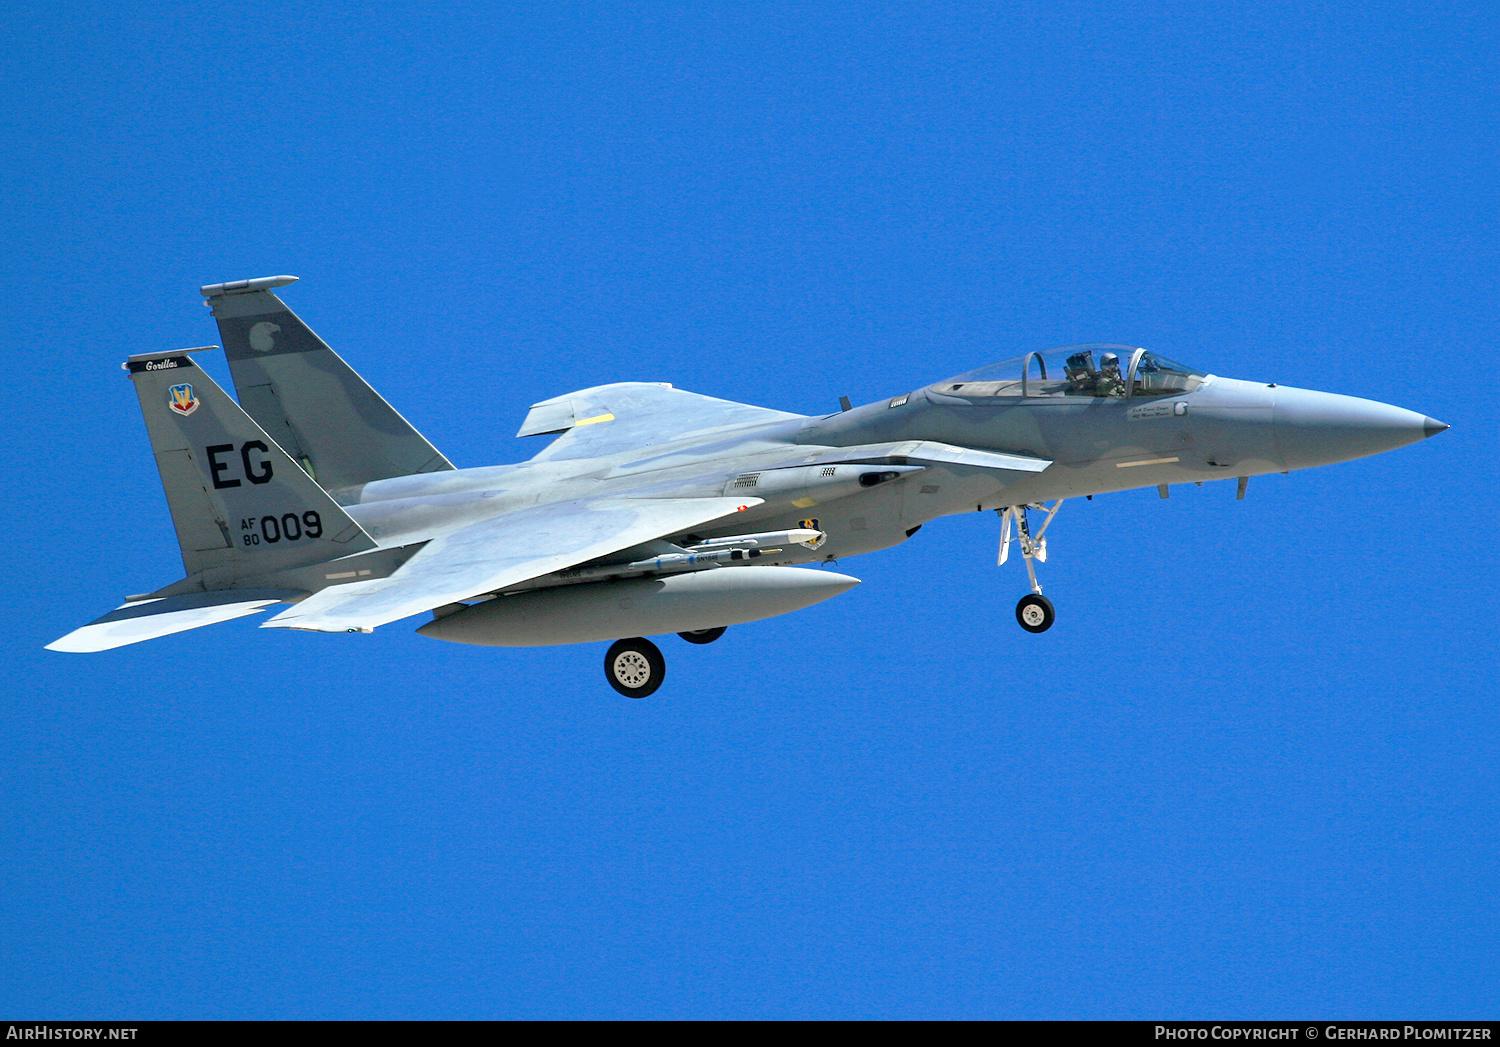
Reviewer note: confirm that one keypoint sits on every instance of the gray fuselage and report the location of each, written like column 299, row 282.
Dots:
column 1222, row 429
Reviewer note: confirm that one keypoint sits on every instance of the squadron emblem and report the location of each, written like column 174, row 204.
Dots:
column 181, row 399
column 812, row 525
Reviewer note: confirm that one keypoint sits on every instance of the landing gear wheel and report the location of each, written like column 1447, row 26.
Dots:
column 703, row 635
column 1035, row 613
column 634, row 667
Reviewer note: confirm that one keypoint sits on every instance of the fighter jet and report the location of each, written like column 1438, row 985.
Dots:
column 654, row 510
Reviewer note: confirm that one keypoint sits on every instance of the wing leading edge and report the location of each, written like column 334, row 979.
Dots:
column 501, row 552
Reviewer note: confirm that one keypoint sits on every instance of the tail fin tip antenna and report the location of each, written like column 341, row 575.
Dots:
column 261, row 283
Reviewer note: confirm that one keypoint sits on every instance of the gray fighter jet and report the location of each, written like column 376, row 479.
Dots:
column 654, row 510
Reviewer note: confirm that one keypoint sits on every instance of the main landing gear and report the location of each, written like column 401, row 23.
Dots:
column 636, row 668
column 1035, row 611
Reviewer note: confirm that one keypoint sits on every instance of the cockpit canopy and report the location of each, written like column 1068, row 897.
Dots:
column 1122, row 371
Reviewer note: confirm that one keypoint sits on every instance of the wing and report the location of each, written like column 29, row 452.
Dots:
column 500, row 552
column 627, row 415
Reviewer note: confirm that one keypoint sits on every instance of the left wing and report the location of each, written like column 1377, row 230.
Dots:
column 500, row 552
column 625, row 416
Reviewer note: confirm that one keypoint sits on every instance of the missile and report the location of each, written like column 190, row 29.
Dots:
column 706, row 555
column 667, row 563
column 753, row 541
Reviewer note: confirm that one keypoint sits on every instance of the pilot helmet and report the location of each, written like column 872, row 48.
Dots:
column 1109, row 362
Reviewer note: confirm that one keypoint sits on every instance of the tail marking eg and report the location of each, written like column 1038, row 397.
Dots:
column 242, row 507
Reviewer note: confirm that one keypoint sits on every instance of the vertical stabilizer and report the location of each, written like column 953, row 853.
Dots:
column 241, row 506
column 306, row 397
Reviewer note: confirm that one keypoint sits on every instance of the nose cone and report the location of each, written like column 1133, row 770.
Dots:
column 1315, row 428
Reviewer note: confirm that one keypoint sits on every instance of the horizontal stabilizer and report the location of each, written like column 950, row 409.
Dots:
column 148, row 619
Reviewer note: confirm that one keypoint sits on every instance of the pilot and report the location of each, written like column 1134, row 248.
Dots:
column 1111, row 381
column 1081, row 373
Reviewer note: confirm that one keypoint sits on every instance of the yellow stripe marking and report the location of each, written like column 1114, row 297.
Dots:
column 611, row 418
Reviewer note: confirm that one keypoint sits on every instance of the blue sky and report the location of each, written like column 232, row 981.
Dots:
column 1251, row 772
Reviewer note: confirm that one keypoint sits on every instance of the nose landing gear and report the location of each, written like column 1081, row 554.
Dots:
column 1035, row 611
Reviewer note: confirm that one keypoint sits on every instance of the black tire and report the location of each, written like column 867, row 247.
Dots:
column 1035, row 613
column 634, row 667
column 703, row 635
